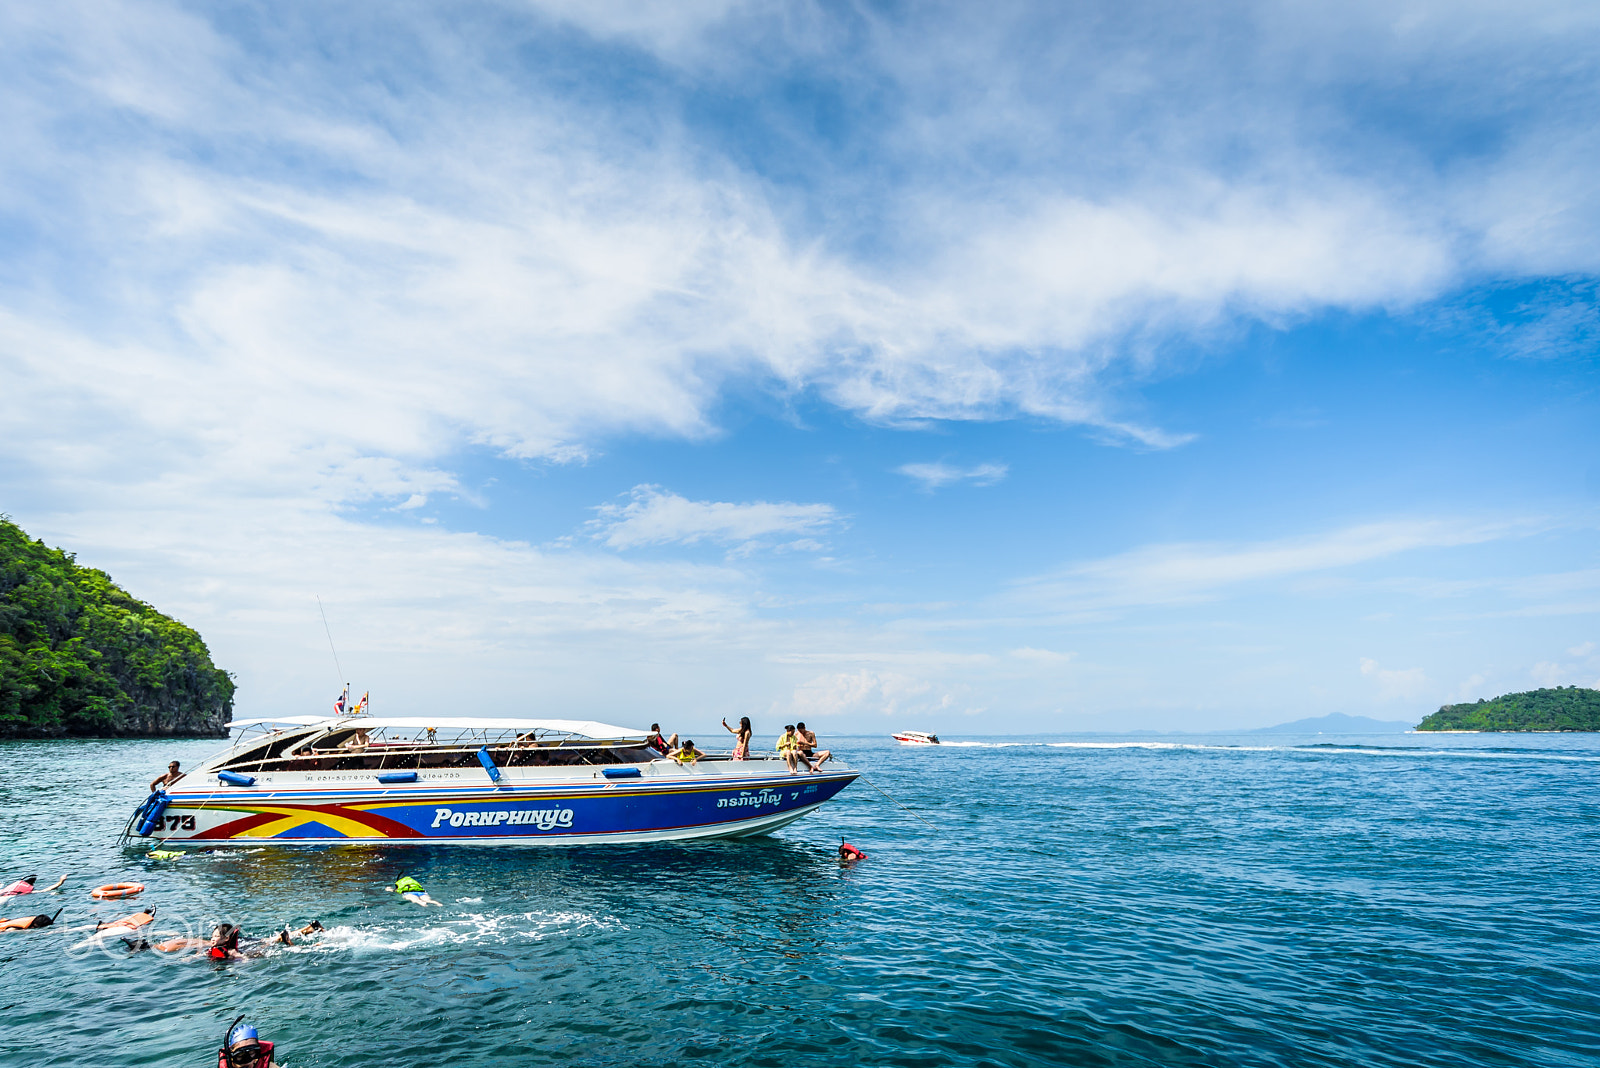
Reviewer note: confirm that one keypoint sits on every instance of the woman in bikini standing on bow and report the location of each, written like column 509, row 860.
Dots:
column 741, row 738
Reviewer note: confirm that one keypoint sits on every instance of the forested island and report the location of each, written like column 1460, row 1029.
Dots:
column 79, row 655
column 1565, row 708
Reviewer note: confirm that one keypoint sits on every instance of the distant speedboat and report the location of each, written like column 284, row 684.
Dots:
column 481, row 780
column 916, row 738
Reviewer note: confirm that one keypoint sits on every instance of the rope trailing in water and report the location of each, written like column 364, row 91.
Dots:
column 885, row 793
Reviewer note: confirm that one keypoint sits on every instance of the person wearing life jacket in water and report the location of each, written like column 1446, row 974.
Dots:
column 25, row 885
column 132, row 923
column 224, row 943
column 849, row 854
column 244, row 1049
column 27, row 923
column 411, row 890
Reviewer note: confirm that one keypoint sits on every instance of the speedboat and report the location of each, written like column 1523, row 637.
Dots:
column 916, row 738
column 416, row 780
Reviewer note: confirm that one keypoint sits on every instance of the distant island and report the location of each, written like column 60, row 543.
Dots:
column 1338, row 723
column 79, row 655
column 1565, row 708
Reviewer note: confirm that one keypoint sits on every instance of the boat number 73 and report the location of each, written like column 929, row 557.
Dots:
column 180, row 823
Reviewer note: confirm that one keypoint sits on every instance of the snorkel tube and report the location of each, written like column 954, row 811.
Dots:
column 227, row 1054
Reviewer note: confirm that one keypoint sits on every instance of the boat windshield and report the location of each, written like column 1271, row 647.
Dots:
column 356, row 743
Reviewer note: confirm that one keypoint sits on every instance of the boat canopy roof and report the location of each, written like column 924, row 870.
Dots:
column 584, row 728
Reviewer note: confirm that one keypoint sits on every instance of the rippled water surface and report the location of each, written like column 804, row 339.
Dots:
column 1397, row 900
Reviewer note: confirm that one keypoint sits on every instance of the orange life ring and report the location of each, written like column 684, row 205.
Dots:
column 111, row 890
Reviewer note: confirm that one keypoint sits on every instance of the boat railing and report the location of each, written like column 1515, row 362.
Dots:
column 422, row 756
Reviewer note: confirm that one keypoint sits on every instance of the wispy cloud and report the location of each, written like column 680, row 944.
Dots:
column 934, row 475
column 1396, row 683
column 653, row 516
column 1188, row 572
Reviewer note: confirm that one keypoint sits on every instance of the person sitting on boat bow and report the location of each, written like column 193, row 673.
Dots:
column 687, row 754
column 807, row 748
column 789, row 747
column 172, row 776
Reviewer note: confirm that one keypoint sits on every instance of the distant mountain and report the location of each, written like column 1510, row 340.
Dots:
column 1565, row 708
column 1338, row 723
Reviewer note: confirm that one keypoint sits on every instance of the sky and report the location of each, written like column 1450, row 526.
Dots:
column 1002, row 368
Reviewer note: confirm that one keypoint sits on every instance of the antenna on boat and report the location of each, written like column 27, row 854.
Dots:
column 331, row 649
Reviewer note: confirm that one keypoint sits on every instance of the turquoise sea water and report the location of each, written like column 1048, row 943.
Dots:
column 1394, row 900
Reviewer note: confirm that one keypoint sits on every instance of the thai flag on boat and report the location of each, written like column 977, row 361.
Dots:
column 338, row 706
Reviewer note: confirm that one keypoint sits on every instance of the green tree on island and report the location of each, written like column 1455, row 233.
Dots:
column 1565, row 708
column 80, row 656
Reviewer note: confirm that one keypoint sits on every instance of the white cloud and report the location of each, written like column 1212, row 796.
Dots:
column 1471, row 688
column 934, row 475
column 1396, row 684
column 1549, row 673
column 655, row 517
column 1043, row 656
column 859, row 692
column 1189, row 572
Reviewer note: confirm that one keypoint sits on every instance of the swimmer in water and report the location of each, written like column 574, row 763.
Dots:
column 849, row 854
column 27, row 923
column 132, row 923
column 25, row 885
column 412, row 891
column 244, row 1049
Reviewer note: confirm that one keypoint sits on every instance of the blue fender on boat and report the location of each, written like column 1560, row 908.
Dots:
column 488, row 764
column 398, row 776
column 620, row 773
column 233, row 778
column 150, row 813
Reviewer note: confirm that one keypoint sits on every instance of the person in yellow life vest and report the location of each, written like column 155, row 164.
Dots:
column 789, row 748
column 687, row 754
column 412, row 891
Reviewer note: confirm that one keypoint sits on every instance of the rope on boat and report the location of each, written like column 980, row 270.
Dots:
column 885, row 793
